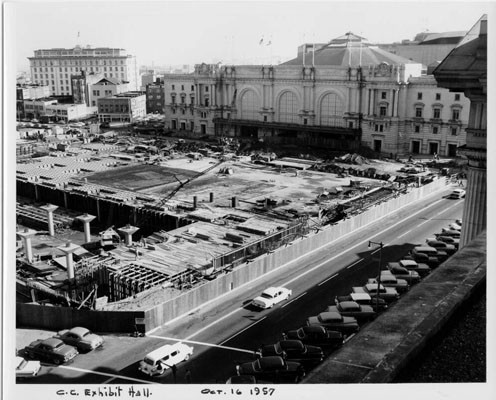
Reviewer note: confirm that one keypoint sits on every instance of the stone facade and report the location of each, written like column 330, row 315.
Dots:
column 125, row 107
column 350, row 103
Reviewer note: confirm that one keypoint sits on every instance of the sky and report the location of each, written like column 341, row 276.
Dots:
column 177, row 33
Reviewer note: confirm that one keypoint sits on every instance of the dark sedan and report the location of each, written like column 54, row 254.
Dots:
column 316, row 335
column 353, row 309
column 51, row 350
column 274, row 369
column 335, row 321
column 364, row 299
column 294, row 350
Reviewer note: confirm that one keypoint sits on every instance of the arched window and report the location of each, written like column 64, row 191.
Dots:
column 331, row 110
column 288, row 108
column 249, row 106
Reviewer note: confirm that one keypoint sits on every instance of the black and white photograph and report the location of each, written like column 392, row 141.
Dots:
column 247, row 200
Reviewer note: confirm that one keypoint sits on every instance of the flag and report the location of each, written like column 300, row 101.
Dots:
column 268, row 43
column 261, row 41
column 78, row 33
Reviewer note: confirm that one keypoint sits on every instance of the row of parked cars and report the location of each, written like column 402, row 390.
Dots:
column 59, row 349
column 303, row 348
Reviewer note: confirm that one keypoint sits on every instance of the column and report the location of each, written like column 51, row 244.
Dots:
column 128, row 231
column 393, row 98
column 86, row 219
column 475, row 206
column 26, row 235
column 50, row 208
column 68, row 249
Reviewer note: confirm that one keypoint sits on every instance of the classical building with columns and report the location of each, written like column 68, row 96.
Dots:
column 341, row 95
column 465, row 70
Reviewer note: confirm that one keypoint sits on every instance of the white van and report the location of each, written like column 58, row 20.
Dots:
column 163, row 358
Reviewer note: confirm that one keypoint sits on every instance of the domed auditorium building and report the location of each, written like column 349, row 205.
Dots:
column 339, row 95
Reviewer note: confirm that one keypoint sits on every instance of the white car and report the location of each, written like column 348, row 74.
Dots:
column 271, row 297
column 25, row 368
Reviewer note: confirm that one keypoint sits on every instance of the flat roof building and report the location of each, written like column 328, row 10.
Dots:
column 123, row 107
column 54, row 67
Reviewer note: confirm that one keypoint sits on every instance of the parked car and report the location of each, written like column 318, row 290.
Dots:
column 294, row 350
column 365, row 299
column 455, row 226
column 440, row 245
column 353, row 309
column 51, row 350
column 26, row 368
column 273, row 368
column 315, row 335
column 160, row 360
column 450, row 232
column 431, row 252
column 271, row 296
column 241, row 379
column 81, row 338
column 424, row 258
column 412, row 277
column 421, row 268
column 386, row 293
column 335, row 321
column 389, row 280
column 457, row 194
column 449, row 240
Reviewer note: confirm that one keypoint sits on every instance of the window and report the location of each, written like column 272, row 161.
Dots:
column 455, row 115
column 437, row 113
column 350, row 124
column 379, row 128
column 173, row 99
column 382, row 111
column 183, row 112
column 438, row 96
column 384, row 95
column 304, row 120
column 173, row 87
column 419, row 96
column 435, row 130
column 206, row 103
column 192, row 88
column 457, row 97
column 417, row 128
column 182, row 87
column 418, row 112
column 206, row 89
column 454, row 131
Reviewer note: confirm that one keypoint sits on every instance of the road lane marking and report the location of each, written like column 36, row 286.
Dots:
column 202, row 343
column 113, row 376
column 308, row 271
column 213, row 323
column 355, row 263
column 406, row 233
column 328, row 279
column 241, row 331
column 296, row 298
column 348, row 338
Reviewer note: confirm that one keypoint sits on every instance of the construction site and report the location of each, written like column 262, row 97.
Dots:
column 130, row 232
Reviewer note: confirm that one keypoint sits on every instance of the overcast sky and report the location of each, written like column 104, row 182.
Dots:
column 165, row 32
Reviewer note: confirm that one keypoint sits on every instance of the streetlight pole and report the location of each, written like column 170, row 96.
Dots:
column 381, row 245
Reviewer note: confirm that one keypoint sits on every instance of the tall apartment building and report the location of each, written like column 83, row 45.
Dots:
column 155, row 98
column 54, row 67
column 340, row 95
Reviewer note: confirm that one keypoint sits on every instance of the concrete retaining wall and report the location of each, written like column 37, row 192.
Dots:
column 57, row 318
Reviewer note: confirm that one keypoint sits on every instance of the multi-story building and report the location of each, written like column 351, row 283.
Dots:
column 155, row 98
column 29, row 92
column 147, row 78
column 105, row 87
column 67, row 112
column 54, row 67
column 81, row 86
column 124, row 107
column 36, row 108
column 341, row 95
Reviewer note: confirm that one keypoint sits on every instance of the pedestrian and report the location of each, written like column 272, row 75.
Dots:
column 187, row 375
column 174, row 372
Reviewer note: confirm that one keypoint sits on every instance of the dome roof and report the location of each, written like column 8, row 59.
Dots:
column 347, row 50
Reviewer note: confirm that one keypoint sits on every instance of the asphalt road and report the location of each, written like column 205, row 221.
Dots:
column 227, row 332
